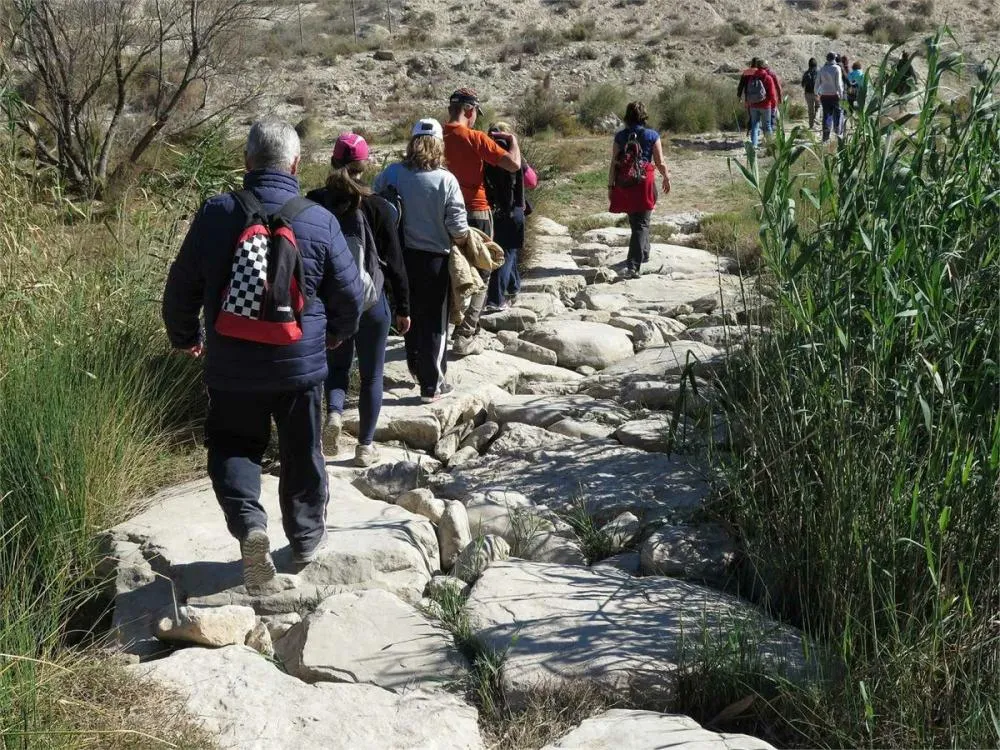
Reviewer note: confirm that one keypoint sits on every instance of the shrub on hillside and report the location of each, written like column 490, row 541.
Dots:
column 598, row 102
column 698, row 104
column 542, row 110
column 582, row 31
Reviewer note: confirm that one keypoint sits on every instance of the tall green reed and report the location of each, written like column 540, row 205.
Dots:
column 868, row 493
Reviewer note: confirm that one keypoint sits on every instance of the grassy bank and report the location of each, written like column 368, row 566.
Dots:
column 95, row 413
column 867, row 493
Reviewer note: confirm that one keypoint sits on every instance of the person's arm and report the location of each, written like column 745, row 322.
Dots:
column 455, row 219
column 494, row 154
column 615, row 150
column 661, row 165
column 340, row 290
column 389, row 250
column 184, row 292
column 741, row 87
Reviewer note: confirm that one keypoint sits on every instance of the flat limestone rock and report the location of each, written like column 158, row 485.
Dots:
column 659, row 363
column 610, row 236
column 370, row 637
column 723, row 336
column 607, row 478
column 183, row 536
column 543, row 411
column 560, row 624
column 577, row 342
column 531, row 352
column 247, row 703
column 679, row 262
column 519, row 438
column 656, row 293
column 506, row 371
column 543, row 304
column 699, row 552
column 509, row 319
column 545, row 227
column 553, row 273
column 648, row 730
column 652, row 434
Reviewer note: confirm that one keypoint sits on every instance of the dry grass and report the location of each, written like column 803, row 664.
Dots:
column 97, row 703
column 544, row 715
column 734, row 234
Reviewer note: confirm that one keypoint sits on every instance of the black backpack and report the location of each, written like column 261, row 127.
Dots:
column 504, row 190
column 358, row 234
column 395, row 201
column 265, row 293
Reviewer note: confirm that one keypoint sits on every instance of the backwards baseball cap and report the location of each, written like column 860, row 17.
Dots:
column 468, row 97
column 427, row 126
column 350, row 147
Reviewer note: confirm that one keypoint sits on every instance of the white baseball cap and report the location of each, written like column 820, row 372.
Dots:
column 427, row 126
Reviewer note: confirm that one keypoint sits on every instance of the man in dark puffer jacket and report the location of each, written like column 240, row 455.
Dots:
column 249, row 383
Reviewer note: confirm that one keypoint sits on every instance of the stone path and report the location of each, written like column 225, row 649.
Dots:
column 551, row 491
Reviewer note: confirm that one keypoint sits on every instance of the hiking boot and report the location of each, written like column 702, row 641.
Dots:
column 490, row 309
column 331, row 431
column 464, row 346
column 258, row 567
column 366, row 455
column 307, row 555
column 443, row 390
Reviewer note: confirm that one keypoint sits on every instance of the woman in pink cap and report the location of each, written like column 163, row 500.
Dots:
column 369, row 225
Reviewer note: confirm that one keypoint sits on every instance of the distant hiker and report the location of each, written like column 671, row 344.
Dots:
column 631, row 182
column 830, row 89
column 369, row 225
column 467, row 151
column 778, row 95
column 761, row 97
column 265, row 343
column 809, row 90
column 506, row 193
column 433, row 217
column 749, row 72
column 854, row 80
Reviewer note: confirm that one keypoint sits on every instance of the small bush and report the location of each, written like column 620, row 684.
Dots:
column 795, row 110
column 741, row 27
column 535, row 40
column 645, row 61
column 727, row 36
column 586, row 53
column 598, row 102
column 698, row 104
column 887, row 28
column 831, row 31
column 581, row 31
column 616, row 61
column 542, row 110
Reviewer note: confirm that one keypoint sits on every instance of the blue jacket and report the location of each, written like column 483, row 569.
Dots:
column 200, row 274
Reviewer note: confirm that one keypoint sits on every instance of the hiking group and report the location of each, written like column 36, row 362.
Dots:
column 826, row 89
column 291, row 289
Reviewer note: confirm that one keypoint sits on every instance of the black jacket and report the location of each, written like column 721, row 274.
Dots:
column 201, row 272
column 381, row 219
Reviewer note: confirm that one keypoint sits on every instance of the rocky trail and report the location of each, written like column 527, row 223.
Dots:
column 553, row 492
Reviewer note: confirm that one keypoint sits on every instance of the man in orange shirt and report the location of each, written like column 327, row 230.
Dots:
column 466, row 151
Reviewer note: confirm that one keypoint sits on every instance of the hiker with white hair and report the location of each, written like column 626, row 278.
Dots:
column 433, row 217
column 277, row 285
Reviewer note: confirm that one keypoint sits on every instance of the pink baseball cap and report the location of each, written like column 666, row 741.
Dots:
column 350, row 147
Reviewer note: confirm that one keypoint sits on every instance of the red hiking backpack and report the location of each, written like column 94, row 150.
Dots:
column 264, row 297
column 632, row 167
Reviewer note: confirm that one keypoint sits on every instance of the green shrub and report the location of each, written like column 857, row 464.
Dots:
column 698, row 104
column 727, row 36
column 887, row 28
column 582, row 31
column 586, row 53
column 832, row 31
column 866, row 490
column 597, row 102
column 645, row 61
column 616, row 61
column 734, row 235
column 542, row 110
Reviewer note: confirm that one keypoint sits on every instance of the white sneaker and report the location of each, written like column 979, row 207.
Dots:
column 331, row 432
column 258, row 567
column 366, row 455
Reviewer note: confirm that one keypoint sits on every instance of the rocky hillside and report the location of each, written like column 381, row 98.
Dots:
column 504, row 49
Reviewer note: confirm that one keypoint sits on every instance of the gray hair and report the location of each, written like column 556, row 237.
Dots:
column 272, row 144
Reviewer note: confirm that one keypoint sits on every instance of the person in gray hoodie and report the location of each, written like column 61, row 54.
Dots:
column 830, row 90
column 433, row 218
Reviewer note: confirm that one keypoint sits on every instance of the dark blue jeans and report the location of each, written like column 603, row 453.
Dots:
column 508, row 232
column 831, row 115
column 369, row 342
column 237, row 431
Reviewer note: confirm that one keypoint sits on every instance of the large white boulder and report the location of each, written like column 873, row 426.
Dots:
column 577, row 343
column 208, row 626
column 648, row 730
column 561, row 624
column 372, row 637
column 660, row 363
column 247, row 703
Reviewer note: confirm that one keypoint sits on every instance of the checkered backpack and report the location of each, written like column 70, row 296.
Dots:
column 266, row 290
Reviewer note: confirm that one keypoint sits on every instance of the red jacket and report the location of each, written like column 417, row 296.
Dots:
column 771, row 100
column 777, row 85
